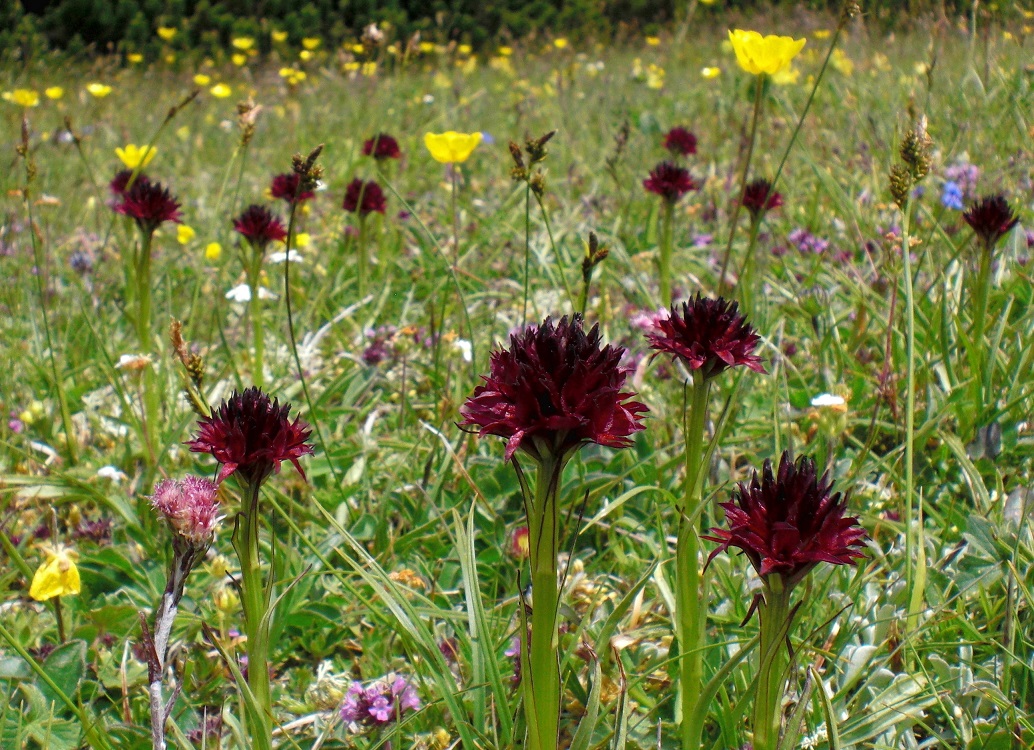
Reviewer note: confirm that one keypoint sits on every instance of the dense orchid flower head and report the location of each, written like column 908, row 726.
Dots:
column 364, row 197
column 259, row 226
column 285, row 187
column 680, row 142
column 670, row 181
column 759, row 198
column 191, row 508
column 382, row 146
column 555, row 388
column 251, row 435
column 788, row 522
column 150, row 204
column 709, row 335
column 991, row 218
column 382, row 702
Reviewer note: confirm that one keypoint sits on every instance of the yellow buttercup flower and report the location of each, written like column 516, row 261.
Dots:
column 238, row 59
column 464, row 49
column 302, row 239
column 184, row 234
column 54, row 92
column 305, row 55
column 505, row 51
column 842, row 62
column 98, row 90
column 451, row 147
column 243, row 43
column 560, row 43
column 134, row 156
column 202, row 80
column 57, row 575
column 167, row 33
column 213, row 250
column 220, row 91
column 21, row 97
column 653, row 41
column 311, row 42
column 279, row 36
column 426, row 47
column 135, row 58
column 710, row 73
column 769, row 54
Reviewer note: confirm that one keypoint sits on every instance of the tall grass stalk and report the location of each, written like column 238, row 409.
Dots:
column 915, row 555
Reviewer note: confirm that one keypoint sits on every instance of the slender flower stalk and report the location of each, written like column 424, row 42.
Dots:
column 786, row 523
column 991, row 218
column 363, row 198
column 191, row 510
column 250, row 436
column 258, row 227
column 670, row 182
column 555, row 389
column 758, row 198
column 707, row 337
column 915, row 165
column 149, row 204
column 534, row 183
column 759, row 98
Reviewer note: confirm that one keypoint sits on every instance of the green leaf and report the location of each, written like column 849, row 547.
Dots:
column 65, row 666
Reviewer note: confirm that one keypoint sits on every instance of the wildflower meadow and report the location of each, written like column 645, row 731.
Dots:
column 660, row 385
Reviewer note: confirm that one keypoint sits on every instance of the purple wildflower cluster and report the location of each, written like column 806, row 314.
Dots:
column 965, row 176
column 382, row 702
column 807, row 243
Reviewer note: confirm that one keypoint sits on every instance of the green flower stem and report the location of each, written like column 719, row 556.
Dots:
column 774, row 613
column 915, row 560
column 143, row 333
column 258, row 332
column 751, row 275
column 981, row 292
column 527, row 249
column 253, row 600
column 540, row 667
column 664, row 261
column 759, row 89
column 364, row 253
column 690, row 585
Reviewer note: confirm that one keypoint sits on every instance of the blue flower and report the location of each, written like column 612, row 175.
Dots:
column 951, row 196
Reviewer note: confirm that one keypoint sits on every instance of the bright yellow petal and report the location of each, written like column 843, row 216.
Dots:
column 57, row 576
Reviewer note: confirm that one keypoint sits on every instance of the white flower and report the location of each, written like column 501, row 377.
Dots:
column 110, row 472
column 463, row 347
column 294, row 256
column 828, row 399
column 242, row 293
